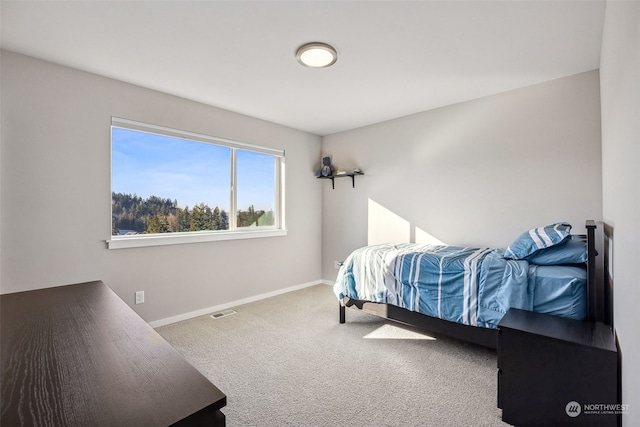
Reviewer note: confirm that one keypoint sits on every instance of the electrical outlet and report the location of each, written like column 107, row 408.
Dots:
column 337, row 264
column 139, row 297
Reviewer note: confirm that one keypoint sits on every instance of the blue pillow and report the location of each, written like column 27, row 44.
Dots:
column 536, row 239
column 572, row 251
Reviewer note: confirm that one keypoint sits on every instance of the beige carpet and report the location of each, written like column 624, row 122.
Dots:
column 286, row 361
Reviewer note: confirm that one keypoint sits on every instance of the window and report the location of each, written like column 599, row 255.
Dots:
column 170, row 186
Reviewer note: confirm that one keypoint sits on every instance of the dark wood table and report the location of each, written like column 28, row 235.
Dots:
column 78, row 355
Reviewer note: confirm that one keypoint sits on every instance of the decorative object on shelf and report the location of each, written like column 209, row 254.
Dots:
column 340, row 173
column 326, row 170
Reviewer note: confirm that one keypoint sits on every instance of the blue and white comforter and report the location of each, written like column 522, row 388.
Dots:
column 472, row 286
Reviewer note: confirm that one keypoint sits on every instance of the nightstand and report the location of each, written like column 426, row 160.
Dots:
column 557, row 371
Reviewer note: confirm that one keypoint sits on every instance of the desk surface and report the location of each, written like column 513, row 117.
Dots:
column 78, row 355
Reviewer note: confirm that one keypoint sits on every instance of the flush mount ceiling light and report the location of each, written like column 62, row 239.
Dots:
column 316, row 55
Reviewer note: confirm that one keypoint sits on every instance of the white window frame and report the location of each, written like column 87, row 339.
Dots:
column 234, row 233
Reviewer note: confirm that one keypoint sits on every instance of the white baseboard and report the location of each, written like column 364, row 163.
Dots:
column 328, row 282
column 213, row 309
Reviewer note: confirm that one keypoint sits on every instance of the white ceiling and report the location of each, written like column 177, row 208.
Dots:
column 395, row 57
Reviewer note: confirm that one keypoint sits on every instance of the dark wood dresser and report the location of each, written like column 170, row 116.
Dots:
column 554, row 371
column 78, row 355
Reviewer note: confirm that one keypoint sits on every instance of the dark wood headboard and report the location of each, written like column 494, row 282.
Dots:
column 607, row 273
column 599, row 278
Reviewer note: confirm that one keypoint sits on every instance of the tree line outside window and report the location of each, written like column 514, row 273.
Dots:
column 132, row 214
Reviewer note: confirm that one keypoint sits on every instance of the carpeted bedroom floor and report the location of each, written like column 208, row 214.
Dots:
column 286, row 361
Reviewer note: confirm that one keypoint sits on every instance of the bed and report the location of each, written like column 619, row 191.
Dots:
column 463, row 292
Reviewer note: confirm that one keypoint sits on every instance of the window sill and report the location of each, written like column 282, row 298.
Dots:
column 143, row 240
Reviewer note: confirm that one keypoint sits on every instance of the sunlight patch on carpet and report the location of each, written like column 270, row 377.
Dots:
column 390, row 332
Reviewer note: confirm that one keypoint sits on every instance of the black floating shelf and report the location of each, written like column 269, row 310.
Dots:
column 333, row 177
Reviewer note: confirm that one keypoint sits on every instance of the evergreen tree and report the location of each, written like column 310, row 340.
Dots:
column 157, row 224
column 184, row 219
column 224, row 220
column 198, row 218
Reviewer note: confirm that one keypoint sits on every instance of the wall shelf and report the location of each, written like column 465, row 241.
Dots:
column 333, row 177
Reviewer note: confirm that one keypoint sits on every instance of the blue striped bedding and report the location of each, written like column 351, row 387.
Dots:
column 472, row 286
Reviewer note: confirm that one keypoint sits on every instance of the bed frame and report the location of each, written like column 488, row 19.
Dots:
column 599, row 297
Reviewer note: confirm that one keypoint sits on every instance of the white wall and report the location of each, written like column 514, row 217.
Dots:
column 620, row 88
column 476, row 173
column 55, row 202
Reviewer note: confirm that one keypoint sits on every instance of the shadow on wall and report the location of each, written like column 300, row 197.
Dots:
column 385, row 226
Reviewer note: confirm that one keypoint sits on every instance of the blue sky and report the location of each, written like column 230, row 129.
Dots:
column 187, row 171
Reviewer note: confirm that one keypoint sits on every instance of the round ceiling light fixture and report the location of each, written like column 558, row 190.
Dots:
column 316, row 55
